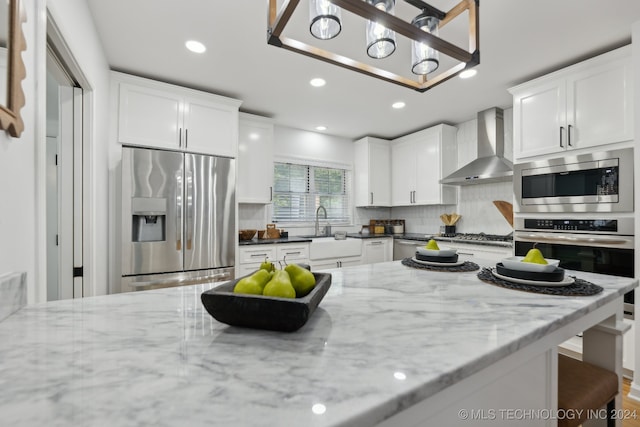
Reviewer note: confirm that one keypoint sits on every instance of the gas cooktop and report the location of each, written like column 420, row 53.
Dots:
column 481, row 237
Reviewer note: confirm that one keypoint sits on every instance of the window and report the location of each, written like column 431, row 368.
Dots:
column 299, row 190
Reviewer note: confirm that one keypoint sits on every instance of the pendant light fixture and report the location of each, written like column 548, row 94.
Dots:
column 382, row 26
column 324, row 18
column 381, row 41
column 424, row 58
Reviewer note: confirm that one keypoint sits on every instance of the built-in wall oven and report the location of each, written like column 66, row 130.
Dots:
column 602, row 245
column 595, row 182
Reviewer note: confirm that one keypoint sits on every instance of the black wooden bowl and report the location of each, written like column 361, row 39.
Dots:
column 263, row 312
column 556, row 275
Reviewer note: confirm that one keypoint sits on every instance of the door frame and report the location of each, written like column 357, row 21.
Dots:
column 53, row 37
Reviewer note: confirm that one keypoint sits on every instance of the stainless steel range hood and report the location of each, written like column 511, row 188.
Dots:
column 490, row 166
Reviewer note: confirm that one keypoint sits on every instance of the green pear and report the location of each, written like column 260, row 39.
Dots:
column 534, row 256
column 303, row 280
column 280, row 286
column 248, row 285
column 253, row 284
column 266, row 265
column 262, row 277
column 433, row 245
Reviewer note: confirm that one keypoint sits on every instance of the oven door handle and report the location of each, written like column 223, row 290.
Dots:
column 569, row 239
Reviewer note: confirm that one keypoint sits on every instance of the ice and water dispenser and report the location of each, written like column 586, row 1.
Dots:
column 149, row 219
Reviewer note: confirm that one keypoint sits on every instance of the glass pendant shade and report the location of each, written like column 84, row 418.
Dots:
column 424, row 59
column 325, row 19
column 381, row 42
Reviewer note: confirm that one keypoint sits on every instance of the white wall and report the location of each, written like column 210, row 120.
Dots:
column 22, row 171
column 18, row 203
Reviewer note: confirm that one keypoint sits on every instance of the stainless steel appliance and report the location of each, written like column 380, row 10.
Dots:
column 596, row 245
column 178, row 218
column 597, row 182
column 491, row 165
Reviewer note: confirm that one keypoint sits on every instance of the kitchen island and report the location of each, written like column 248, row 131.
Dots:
column 389, row 345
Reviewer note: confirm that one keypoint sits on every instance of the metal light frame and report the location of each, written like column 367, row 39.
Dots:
column 468, row 58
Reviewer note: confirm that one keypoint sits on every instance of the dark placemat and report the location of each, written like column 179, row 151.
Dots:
column 467, row 266
column 579, row 288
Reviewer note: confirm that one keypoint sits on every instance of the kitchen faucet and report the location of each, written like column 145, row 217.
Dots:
column 318, row 219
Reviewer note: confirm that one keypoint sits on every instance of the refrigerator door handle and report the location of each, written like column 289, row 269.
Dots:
column 179, row 212
column 189, row 219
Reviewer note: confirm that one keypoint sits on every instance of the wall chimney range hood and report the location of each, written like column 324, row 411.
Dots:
column 490, row 166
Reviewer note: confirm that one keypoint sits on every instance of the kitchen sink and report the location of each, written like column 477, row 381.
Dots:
column 329, row 247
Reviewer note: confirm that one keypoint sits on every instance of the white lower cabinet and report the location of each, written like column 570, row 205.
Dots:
column 335, row 263
column 473, row 252
column 377, row 250
column 251, row 256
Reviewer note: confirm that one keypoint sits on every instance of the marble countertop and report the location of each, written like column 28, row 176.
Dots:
column 385, row 337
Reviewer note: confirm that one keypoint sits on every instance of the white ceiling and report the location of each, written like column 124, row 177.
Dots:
column 519, row 40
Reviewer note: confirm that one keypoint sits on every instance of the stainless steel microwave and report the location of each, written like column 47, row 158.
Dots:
column 596, row 182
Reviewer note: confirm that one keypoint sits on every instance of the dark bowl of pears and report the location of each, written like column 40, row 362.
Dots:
column 268, row 310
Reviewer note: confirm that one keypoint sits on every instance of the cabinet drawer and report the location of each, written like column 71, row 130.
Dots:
column 257, row 254
column 293, row 252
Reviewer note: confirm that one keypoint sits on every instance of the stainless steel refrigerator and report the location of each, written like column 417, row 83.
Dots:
column 178, row 218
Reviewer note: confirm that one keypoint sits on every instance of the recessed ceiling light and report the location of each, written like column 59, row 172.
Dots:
column 195, row 46
column 398, row 105
column 468, row 73
column 321, row 128
column 317, row 82
column 254, row 136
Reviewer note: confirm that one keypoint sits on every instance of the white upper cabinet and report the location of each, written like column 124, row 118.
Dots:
column 588, row 104
column 161, row 115
column 418, row 162
column 372, row 167
column 255, row 159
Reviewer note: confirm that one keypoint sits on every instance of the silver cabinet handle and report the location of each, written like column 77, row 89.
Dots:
column 410, row 196
column 292, row 253
column 271, row 194
column 180, row 137
column 569, row 136
column 372, row 197
column 186, row 138
column 376, row 243
column 466, row 253
column 258, row 255
column 561, row 130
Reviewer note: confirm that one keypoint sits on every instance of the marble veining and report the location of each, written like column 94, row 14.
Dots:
column 385, row 337
column 13, row 293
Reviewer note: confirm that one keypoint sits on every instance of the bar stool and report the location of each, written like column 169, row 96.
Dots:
column 583, row 387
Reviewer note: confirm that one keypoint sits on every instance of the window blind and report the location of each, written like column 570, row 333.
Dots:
column 298, row 191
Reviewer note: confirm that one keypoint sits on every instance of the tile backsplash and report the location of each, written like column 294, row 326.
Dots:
column 475, row 202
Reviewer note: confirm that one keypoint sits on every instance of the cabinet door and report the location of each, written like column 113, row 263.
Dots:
column 372, row 167
column 427, row 160
column 149, row 117
column 539, row 120
column 255, row 161
column 599, row 105
column 210, row 128
column 403, row 167
column 380, row 173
